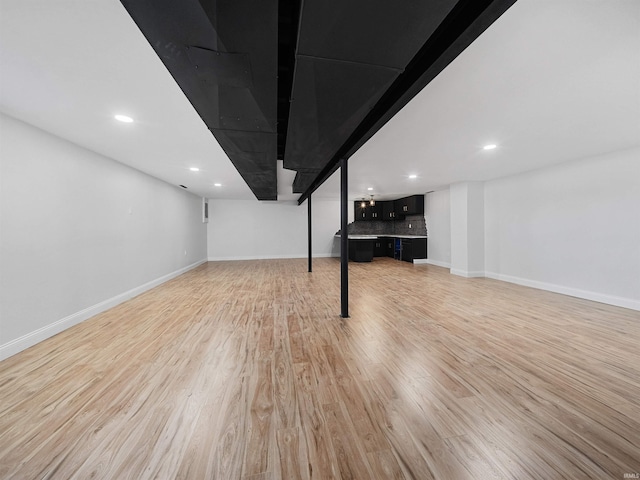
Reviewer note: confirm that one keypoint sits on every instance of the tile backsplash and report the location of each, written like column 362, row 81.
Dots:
column 417, row 222
column 396, row 227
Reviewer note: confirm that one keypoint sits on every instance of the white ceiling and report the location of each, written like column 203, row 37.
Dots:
column 550, row 81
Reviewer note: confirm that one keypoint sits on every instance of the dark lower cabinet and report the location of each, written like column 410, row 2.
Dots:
column 419, row 248
column 414, row 248
column 390, row 246
column 380, row 247
column 407, row 249
column 361, row 250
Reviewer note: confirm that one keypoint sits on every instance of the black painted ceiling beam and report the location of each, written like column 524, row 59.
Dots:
column 288, row 19
column 463, row 24
column 224, row 56
column 305, row 82
column 348, row 54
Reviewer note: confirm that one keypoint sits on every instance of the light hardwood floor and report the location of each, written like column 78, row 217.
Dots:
column 245, row 370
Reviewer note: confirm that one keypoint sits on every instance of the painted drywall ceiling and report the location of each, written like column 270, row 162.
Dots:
column 550, row 81
column 68, row 66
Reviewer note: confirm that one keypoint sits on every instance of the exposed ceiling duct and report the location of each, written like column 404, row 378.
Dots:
column 305, row 82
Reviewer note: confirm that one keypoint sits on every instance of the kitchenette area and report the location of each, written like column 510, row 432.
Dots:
column 388, row 228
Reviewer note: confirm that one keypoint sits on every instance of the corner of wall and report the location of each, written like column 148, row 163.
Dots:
column 467, row 274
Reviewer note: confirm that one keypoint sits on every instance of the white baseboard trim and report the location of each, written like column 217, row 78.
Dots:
column 37, row 336
column 269, row 257
column 466, row 274
column 572, row 292
column 438, row 263
column 420, row 261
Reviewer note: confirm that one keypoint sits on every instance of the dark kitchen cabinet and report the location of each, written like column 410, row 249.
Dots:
column 419, row 248
column 390, row 242
column 368, row 212
column 361, row 250
column 359, row 212
column 380, row 247
column 388, row 210
column 407, row 250
column 412, row 205
column 414, row 248
column 375, row 211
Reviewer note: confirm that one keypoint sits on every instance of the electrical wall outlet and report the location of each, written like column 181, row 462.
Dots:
column 409, row 225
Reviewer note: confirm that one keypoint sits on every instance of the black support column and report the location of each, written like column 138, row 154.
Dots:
column 309, row 228
column 344, row 241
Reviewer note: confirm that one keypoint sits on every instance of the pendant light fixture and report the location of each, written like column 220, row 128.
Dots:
column 372, row 202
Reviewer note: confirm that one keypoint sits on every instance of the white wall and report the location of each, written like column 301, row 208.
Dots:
column 438, row 218
column 458, row 209
column 249, row 229
column 467, row 229
column 572, row 228
column 475, row 231
column 80, row 233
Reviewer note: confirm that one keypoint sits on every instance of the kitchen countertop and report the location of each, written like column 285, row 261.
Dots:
column 373, row 237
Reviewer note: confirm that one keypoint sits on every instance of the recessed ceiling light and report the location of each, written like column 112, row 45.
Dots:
column 217, row 184
column 370, row 188
column 123, row 118
column 194, row 169
column 413, row 176
column 491, row 146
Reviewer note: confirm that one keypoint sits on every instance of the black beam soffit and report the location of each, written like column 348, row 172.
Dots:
column 288, row 19
column 304, row 178
column 304, row 82
column 224, row 56
column 463, row 24
column 348, row 55
column 330, row 98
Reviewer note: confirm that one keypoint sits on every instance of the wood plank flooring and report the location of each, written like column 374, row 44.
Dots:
column 244, row 370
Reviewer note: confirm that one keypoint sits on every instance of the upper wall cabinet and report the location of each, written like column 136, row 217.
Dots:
column 389, row 209
column 359, row 212
column 375, row 211
column 412, row 205
column 368, row 212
